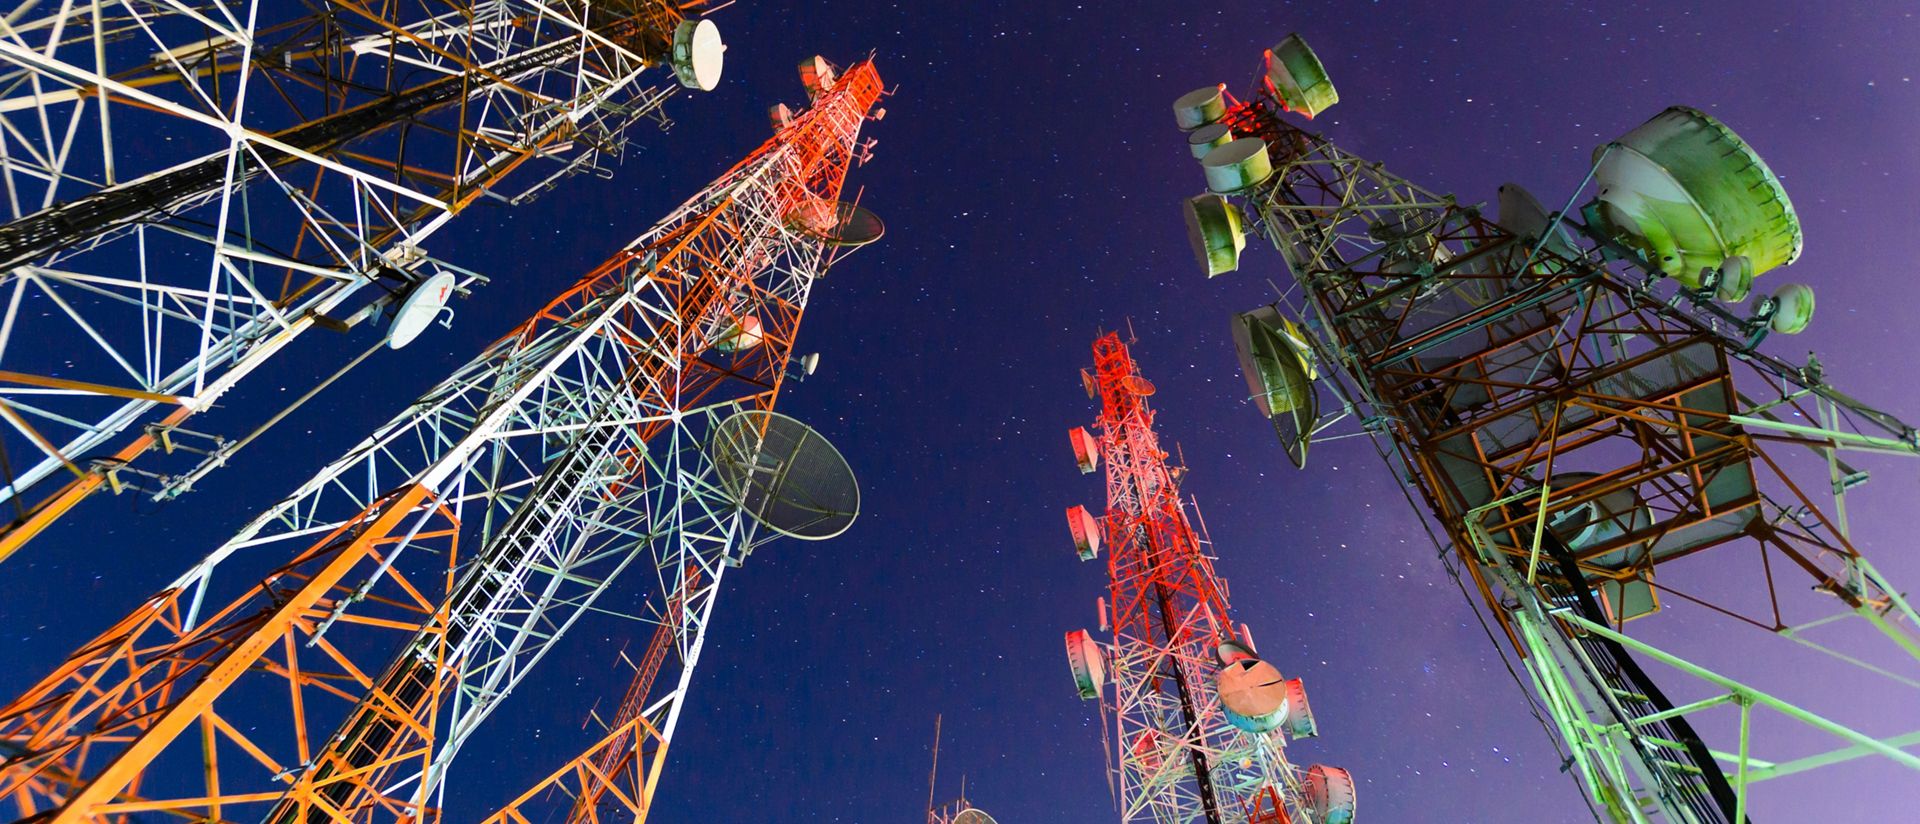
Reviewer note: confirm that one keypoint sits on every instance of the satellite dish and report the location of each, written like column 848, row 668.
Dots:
column 1793, row 309
column 1087, row 382
column 809, row 363
column 1298, row 78
column 836, row 223
column 1213, row 227
column 698, row 54
column 1522, row 214
column 1330, row 794
column 1202, row 140
column 1141, row 386
column 1277, row 360
column 785, row 475
column 1088, row 665
column 973, row 816
column 1237, row 165
column 1689, row 193
column 1199, row 107
column 421, row 307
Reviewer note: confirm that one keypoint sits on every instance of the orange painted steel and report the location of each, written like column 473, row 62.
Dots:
column 82, row 740
column 642, row 24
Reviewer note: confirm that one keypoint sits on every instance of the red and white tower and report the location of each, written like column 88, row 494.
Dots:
column 412, row 584
column 1198, row 722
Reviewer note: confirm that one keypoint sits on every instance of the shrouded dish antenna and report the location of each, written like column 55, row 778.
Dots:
column 836, row 223
column 1199, row 107
column 1253, row 695
column 1330, row 794
column 1689, row 193
column 1213, row 227
column 698, row 54
column 1086, row 532
column 1298, row 78
column 1299, row 720
column 973, row 816
column 1089, row 666
column 785, row 475
column 1277, row 359
column 1203, row 140
column 1237, row 165
column 422, row 306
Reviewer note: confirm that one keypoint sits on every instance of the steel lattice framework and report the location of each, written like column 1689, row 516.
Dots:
column 191, row 186
column 1518, row 381
column 407, row 587
column 1175, row 756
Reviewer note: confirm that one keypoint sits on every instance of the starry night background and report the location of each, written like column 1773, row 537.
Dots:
column 1030, row 175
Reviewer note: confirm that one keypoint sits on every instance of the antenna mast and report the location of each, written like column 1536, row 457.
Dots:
column 316, row 148
column 934, row 774
column 1581, row 400
column 614, row 426
column 1201, row 722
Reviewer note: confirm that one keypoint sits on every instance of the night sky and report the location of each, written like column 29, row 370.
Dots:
column 1030, row 175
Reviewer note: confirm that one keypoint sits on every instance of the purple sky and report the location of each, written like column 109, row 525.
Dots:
column 1030, row 175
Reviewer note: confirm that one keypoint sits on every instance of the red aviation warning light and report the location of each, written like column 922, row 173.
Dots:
column 1200, row 723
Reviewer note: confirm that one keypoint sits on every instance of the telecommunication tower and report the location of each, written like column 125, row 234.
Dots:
column 1197, row 723
column 959, row 810
column 412, row 583
column 191, row 187
column 1582, row 403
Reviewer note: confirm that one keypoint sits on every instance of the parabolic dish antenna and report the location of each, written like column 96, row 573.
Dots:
column 698, row 54
column 420, row 309
column 973, row 816
column 1522, row 214
column 1278, row 363
column 836, row 223
column 785, row 475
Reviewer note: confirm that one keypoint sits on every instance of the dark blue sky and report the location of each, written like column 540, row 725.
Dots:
column 1030, row 175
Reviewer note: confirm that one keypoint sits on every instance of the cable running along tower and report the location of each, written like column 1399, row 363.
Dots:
column 1196, row 723
column 1582, row 402
column 190, row 187
column 412, row 583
